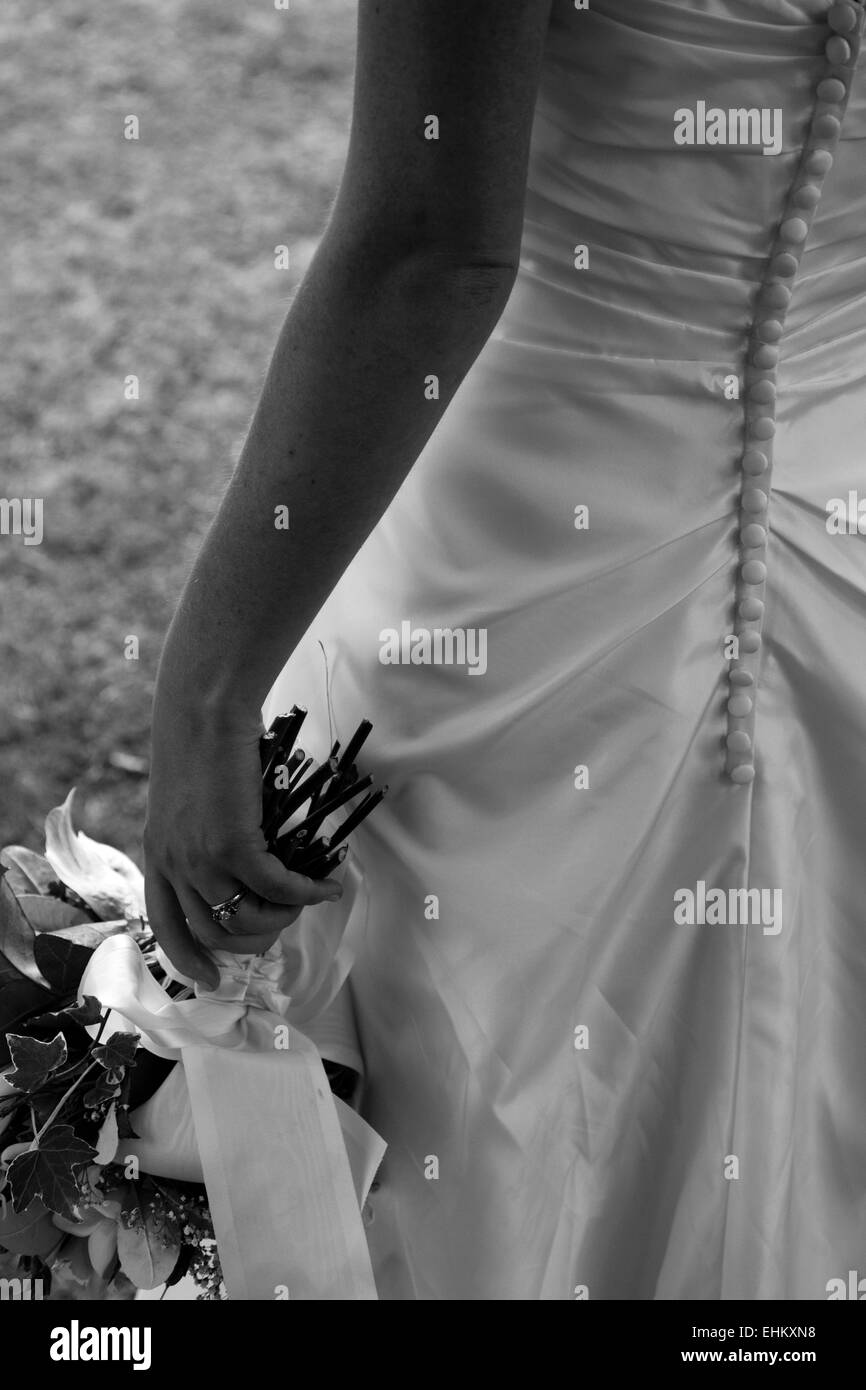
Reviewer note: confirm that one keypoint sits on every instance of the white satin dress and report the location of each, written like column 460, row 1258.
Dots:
column 583, row 1094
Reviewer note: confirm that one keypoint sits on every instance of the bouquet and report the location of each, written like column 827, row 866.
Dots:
column 119, row 1073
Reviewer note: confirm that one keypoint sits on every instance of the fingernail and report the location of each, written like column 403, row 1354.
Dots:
column 333, row 891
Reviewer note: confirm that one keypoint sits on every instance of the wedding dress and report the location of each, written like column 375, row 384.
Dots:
column 602, row 1070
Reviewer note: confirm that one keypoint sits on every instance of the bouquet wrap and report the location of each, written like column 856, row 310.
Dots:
column 249, row 1110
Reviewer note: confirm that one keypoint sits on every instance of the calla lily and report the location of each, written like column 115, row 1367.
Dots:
column 104, row 877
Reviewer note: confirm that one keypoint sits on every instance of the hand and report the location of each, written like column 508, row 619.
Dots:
column 203, row 840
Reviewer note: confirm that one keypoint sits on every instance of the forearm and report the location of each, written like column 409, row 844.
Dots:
column 342, row 418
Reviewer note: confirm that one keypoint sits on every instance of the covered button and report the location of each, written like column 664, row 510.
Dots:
column 784, row 264
column 794, row 229
column 808, row 195
column 754, row 535
column 837, row 50
column 743, row 774
column 739, row 741
column 754, row 462
column 827, row 127
column 764, row 427
column 754, row 500
column 769, row 330
column 831, row 89
column 842, row 18
column 776, row 296
column 740, row 705
column 763, row 391
column 765, row 356
column 754, row 571
column 751, row 609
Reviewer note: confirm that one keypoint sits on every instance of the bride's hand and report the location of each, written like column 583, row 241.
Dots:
column 203, row 840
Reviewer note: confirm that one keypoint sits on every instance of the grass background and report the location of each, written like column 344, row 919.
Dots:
column 156, row 258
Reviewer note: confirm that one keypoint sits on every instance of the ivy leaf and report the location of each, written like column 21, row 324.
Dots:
column 62, row 962
column 19, row 999
column 34, row 1060
column 71, row 1022
column 103, row 1090
column 51, row 1172
column 89, row 1011
column 117, row 1053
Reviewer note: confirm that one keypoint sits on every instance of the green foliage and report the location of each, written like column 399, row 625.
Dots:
column 52, row 1172
column 34, row 1061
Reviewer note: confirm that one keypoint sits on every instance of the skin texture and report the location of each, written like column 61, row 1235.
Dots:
column 412, row 274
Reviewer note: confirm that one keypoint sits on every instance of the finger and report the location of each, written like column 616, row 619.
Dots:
column 215, row 937
column 265, row 875
column 168, row 922
column 257, row 918
column 253, row 916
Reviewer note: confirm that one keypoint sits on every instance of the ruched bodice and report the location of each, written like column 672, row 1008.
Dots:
column 629, row 499
column 680, row 235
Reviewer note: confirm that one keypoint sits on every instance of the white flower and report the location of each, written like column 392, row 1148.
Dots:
column 106, row 879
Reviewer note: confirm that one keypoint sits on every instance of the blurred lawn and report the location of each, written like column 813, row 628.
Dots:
column 153, row 258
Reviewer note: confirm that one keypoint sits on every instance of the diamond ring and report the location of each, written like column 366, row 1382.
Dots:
column 223, row 912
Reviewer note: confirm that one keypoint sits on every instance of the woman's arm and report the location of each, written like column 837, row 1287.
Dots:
column 413, row 271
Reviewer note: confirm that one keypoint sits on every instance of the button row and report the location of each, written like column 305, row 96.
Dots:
column 774, row 296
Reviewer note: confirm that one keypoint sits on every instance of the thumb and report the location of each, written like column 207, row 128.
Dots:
column 265, row 875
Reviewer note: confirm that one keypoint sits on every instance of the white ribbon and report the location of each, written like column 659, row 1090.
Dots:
column 287, row 1166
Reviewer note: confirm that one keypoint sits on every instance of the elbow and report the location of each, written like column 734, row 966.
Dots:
column 480, row 281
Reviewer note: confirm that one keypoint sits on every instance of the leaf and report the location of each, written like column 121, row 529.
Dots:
column 118, row 1052
column 124, row 1124
column 104, row 1089
column 34, row 1060
column 88, row 1012
column 17, row 937
column 108, row 1138
column 102, row 1247
column 27, row 872
column 61, row 962
column 50, row 914
column 19, row 1000
column 183, row 1263
column 23, row 991
column 50, row 1172
column 89, row 936
column 148, row 1253
column 72, row 1022
column 104, row 877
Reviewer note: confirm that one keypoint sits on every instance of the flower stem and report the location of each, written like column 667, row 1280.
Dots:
column 60, row 1104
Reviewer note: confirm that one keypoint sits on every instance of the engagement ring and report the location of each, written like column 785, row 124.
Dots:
column 223, row 912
